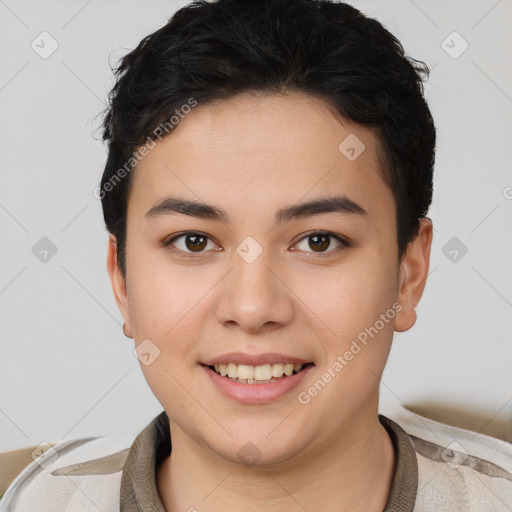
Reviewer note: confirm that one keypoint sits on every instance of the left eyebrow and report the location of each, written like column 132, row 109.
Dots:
column 336, row 204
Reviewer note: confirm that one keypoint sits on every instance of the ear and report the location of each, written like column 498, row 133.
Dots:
column 413, row 275
column 118, row 284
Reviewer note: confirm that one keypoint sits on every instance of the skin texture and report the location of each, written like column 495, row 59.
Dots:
column 252, row 155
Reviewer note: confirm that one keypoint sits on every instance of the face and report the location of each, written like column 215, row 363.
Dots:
column 290, row 256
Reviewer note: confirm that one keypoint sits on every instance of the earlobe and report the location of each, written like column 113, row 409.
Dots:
column 118, row 285
column 413, row 275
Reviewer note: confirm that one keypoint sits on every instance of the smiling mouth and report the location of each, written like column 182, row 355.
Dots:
column 262, row 374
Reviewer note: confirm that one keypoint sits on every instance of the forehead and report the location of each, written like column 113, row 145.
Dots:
column 256, row 152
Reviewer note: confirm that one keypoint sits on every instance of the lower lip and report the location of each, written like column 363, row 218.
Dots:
column 256, row 393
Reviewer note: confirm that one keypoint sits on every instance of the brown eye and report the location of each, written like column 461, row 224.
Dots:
column 322, row 243
column 195, row 243
column 319, row 242
column 189, row 243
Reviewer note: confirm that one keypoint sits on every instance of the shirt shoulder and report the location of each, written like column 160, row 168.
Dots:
column 79, row 475
column 458, row 470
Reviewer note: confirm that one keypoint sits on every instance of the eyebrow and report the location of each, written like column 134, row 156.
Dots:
column 336, row 204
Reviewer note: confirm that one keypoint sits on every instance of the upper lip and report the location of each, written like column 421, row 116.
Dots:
column 254, row 359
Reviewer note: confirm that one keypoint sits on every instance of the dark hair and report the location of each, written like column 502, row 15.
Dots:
column 215, row 50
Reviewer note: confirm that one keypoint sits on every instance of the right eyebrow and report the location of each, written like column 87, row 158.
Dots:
column 170, row 205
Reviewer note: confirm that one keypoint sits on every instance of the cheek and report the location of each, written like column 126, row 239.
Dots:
column 165, row 308
column 358, row 338
column 161, row 295
column 353, row 296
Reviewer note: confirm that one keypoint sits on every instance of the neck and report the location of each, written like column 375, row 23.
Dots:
column 338, row 477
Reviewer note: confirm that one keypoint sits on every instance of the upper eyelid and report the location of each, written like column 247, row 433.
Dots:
column 344, row 243
column 169, row 240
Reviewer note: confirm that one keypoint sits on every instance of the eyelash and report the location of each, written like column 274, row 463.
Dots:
column 344, row 244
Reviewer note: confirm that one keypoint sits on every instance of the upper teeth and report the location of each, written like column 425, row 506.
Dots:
column 263, row 372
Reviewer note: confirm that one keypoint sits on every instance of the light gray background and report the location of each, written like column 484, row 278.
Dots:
column 66, row 368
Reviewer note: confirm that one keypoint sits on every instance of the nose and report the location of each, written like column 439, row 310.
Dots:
column 254, row 295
